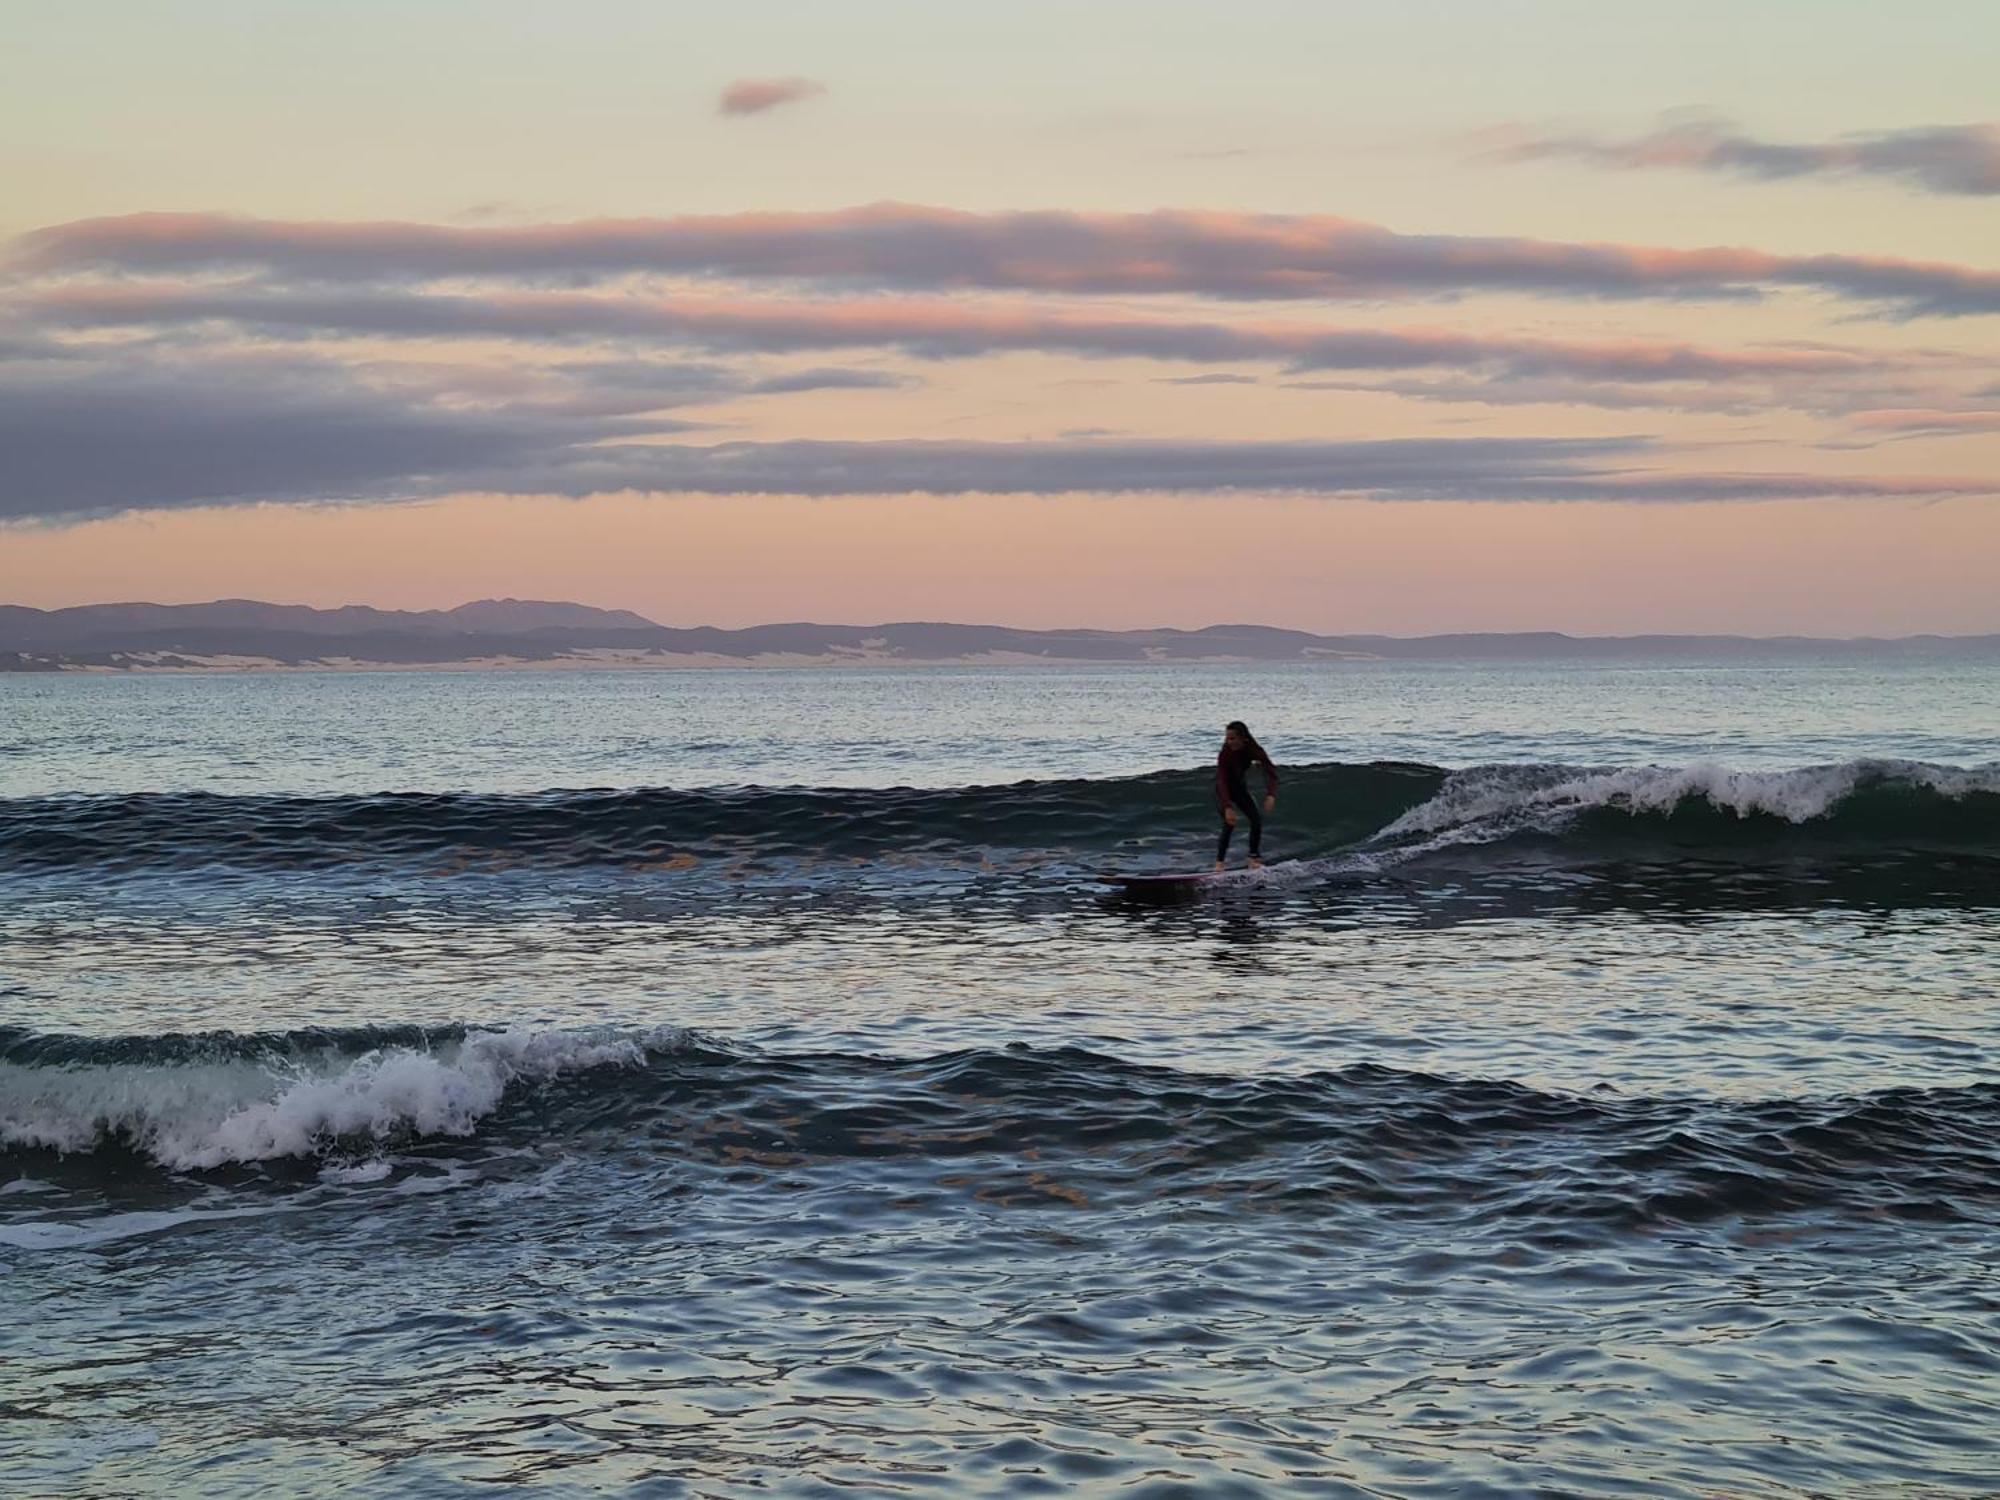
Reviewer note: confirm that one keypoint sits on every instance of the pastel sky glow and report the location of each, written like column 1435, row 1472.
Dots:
column 1568, row 317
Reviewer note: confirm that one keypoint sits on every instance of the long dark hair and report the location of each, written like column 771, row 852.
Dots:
column 1256, row 750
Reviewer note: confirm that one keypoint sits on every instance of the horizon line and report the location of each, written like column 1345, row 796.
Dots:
column 1698, row 635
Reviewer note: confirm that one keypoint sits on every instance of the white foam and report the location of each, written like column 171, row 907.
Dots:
column 367, row 1171
column 1489, row 802
column 206, row 1115
column 435, row 1182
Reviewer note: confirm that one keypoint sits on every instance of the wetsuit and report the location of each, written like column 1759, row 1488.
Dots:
column 1232, row 768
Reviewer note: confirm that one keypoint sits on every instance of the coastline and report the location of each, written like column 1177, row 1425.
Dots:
column 611, row 659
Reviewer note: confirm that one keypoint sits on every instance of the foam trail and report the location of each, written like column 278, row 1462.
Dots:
column 72, row 1234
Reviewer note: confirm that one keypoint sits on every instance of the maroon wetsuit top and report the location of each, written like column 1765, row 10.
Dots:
column 1233, row 765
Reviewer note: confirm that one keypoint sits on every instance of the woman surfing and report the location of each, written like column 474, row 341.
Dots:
column 1240, row 751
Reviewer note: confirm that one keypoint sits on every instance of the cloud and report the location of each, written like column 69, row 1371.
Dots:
column 1820, row 398
column 889, row 245
column 1211, row 379
column 596, row 388
column 827, row 380
column 22, row 347
column 1923, row 423
column 753, row 96
column 250, row 430
column 646, row 385
column 1387, row 469
column 1419, row 468
column 1957, row 159
column 1562, row 391
column 930, row 330
column 107, row 440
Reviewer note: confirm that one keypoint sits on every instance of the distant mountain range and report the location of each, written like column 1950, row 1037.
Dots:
column 243, row 634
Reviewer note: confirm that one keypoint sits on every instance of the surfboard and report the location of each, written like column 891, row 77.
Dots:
column 1179, row 884
column 1159, row 884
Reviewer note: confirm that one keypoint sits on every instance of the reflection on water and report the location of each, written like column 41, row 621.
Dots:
column 1568, row 985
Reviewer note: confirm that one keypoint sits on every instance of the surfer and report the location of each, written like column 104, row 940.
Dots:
column 1240, row 751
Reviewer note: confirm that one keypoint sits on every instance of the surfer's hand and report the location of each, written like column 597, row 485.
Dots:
column 1229, row 816
column 1270, row 803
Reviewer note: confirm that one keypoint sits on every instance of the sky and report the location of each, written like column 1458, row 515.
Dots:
column 1493, row 315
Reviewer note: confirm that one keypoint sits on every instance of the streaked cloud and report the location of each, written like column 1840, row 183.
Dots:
column 120, row 429
column 924, row 329
column 889, row 245
column 169, row 435
column 22, row 347
column 1389, row 469
column 1922, row 423
column 797, row 381
column 213, row 360
column 1962, row 159
column 753, row 96
column 1571, row 391
column 113, row 439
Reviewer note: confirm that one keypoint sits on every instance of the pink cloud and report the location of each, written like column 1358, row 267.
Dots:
column 1230, row 255
column 935, row 330
column 752, row 96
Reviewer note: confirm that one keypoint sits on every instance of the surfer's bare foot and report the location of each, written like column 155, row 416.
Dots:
column 1219, row 867
column 1256, row 863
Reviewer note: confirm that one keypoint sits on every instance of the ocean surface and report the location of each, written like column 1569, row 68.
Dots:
column 739, row 1083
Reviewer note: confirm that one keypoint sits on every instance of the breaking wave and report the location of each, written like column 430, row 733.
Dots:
column 197, row 1102
column 1376, row 809
column 1883, row 804
column 1094, row 1126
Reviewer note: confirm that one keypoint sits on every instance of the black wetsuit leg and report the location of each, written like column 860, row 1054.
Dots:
column 1239, row 794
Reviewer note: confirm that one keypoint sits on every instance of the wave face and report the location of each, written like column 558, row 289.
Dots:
column 1382, row 812
column 1098, row 1126
column 1329, row 805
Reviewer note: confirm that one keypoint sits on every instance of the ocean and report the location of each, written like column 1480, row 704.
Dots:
column 717, row 1083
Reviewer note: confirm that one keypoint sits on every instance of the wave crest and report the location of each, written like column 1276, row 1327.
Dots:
column 1883, row 804
column 191, row 1113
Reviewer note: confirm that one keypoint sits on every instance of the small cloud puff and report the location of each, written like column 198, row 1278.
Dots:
column 752, row 96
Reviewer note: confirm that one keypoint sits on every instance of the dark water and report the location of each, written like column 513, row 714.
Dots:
column 1573, row 1113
